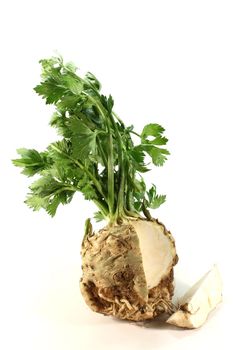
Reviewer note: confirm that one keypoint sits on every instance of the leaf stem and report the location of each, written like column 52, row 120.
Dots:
column 110, row 165
column 105, row 161
column 121, row 170
column 110, row 175
column 135, row 133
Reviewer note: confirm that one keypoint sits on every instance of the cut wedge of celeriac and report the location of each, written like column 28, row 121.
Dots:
column 199, row 301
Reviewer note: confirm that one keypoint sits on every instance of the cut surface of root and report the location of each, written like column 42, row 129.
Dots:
column 128, row 270
column 199, row 301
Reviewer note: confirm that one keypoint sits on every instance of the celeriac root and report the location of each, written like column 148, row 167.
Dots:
column 116, row 277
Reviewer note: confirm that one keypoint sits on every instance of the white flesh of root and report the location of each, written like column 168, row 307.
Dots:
column 199, row 301
column 155, row 247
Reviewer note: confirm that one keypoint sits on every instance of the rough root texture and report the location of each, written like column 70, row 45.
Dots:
column 114, row 282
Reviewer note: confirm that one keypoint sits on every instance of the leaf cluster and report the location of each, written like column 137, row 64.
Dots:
column 95, row 155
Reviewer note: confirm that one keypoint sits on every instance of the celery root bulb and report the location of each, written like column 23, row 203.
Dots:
column 128, row 270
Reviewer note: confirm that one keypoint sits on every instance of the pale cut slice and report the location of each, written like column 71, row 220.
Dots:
column 157, row 250
column 199, row 301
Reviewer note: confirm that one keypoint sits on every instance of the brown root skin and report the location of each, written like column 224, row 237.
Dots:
column 114, row 282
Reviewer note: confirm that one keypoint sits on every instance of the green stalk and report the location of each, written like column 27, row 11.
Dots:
column 128, row 193
column 121, row 192
column 105, row 161
column 135, row 133
column 121, row 171
column 110, row 165
column 110, row 176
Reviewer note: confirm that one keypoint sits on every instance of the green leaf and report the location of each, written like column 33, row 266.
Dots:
column 50, row 204
column 160, row 141
column 60, row 121
column 46, row 185
column 83, row 139
column 139, row 193
column 58, row 80
column 32, row 161
column 64, row 197
column 36, row 202
column 69, row 103
column 98, row 216
column 50, row 91
column 158, row 155
column 50, row 190
column 70, row 66
column 89, row 192
column 51, row 67
column 73, row 84
column 154, row 200
column 158, row 200
column 92, row 115
column 60, row 151
column 110, row 103
column 91, row 79
column 107, row 102
column 152, row 130
column 51, row 208
column 137, row 155
column 83, row 145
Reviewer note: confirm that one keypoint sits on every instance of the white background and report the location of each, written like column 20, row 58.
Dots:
column 169, row 62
